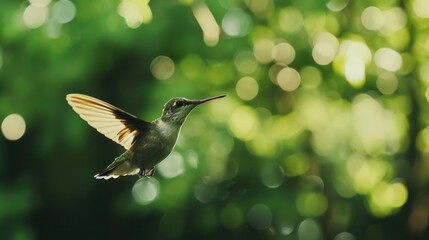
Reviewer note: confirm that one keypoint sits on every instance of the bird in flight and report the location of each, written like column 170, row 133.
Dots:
column 146, row 143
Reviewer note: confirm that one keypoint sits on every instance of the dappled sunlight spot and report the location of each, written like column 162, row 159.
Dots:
column 272, row 175
column 295, row 165
column 13, row 127
column 375, row 129
column 145, row 190
column 35, row 16
column 245, row 62
column 205, row 192
column 63, row 11
column 423, row 72
column 309, row 229
column 290, row 20
column 421, row 8
column 393, row 195
column 311, row 77
column 288, row 79
column 40, row 3
column 172, row 166
column 258, row 6
column 397, row 19
column 351, row 60
column 236, row 23
column 400, row 40
column 162, row 67
column 260, row 216
column 350, row 48
column 325, row 47
column 244, row 123
column 337, row 5
column 354, row 71
column 247, row 88
column 263, row 50
column 386, row 198
column 387, row 83
column 366, row 173
column 284, row 53
column 231, row 216
column 208, row 24
column 135, row 12
column 388, row 59
column 311, row 204
column 344, row 236
column 373, row 18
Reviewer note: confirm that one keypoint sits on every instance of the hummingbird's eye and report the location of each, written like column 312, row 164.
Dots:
column 178, row 104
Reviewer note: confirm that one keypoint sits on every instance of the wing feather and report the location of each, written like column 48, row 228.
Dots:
column 109, row 120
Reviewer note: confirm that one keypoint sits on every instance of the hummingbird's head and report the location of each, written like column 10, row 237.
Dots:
column 177, row 109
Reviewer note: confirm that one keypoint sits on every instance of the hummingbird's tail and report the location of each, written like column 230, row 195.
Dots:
column 120, row 167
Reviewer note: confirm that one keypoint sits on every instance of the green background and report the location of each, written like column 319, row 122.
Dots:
column 323, row 134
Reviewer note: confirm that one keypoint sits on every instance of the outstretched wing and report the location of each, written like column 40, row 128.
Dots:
column 109, row 120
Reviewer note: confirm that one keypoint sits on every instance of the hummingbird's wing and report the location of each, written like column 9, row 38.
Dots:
column 109, row 120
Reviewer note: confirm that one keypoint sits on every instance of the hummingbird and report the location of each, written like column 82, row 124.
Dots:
column 146, row 143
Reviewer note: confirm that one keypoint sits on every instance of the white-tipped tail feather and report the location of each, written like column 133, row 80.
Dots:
column 106, row 177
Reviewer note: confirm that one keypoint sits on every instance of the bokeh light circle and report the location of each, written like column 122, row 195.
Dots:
column 172, row 166
column 162, row 67
column 309, row 230
column 13, row 127
column 288, row 79
column 247, row 88
column 236, row 23
column 63, row 11
column 145, row 190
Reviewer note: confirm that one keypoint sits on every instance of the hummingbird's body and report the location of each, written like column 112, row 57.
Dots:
column 147, row 143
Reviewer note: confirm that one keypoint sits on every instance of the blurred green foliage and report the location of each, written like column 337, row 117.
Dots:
column 323, row 134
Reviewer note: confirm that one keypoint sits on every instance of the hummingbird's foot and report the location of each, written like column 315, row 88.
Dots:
column 146, row 172
column 150, row 172
column 141, row 173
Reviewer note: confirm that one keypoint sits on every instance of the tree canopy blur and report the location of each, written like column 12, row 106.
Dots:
column 323, row 134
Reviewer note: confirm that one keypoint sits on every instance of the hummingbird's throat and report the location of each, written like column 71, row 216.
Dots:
column 168, row 129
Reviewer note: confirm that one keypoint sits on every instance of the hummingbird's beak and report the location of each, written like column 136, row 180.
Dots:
column 200, row 101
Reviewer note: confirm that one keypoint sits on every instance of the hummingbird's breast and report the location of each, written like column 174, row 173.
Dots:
column 155, row 145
